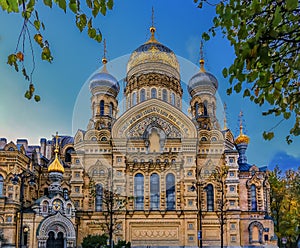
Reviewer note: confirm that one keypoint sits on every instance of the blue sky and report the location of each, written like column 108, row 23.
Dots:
column 60, row 84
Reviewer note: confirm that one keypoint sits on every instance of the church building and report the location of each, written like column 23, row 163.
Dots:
column 153, row 175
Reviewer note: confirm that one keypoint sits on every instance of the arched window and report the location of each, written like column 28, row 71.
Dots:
column 45, row 207
column 173, row 99
column 170, row 191
column 1, row 185
column 210, row 198
column 165, row 95
column 99, row 198
column 142, row 95
column 253, row 198
column 66, row 194
column 154, row 191
column 205, row 108
column 111, row 108
column 139, row 191
column 153, row 93
column 134, row 99
column 196, row 109
column 102, row 107
column 68, row 157
column 25, row 236
column 69, row 208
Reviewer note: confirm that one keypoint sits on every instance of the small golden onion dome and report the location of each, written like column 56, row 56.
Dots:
column 242, row 138
column 56, row 165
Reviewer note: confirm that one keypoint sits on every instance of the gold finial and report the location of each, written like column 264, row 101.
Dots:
column 201, row 57
column 104, row 59
column 242, row 138
column 56, row 166
column 152, row 28
column 56, row 150
column 225, row 119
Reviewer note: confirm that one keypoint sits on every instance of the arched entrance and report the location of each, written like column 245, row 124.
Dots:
column 55, row 242
column 56, row 231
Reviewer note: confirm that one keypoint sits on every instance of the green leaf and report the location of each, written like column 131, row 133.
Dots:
column 205, row 36
column 92, row 33
column 110, row 4
column 246, row 93
column 48, row 3
column 25, row 74
column 62, row 4
column 229, row 91
column 98, row 37
column 37, row 25
column 277, row 17
column 225, row 72
column 12, row 60
column 13, row 5
column 287, row 115
column 81, row 21
column 4, row 5
column 238, row 87
column 291, row 4
column 89, row 3
column 28, row 95
column 73, row 6
column 46, row 54
column 268, row 135
column 103, row 10
column 37, row 98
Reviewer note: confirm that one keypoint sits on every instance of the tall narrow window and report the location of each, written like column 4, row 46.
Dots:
column 1, row 185
column 142, row 95
column 173, row 99
column 253, row 198
column 101, row 107
column 196, row 109
column 170, row 191
column 139, row 191
column 154, row 191
column 66, row 194
column 205, row 108
column 134, row 99
column 210, row 197
column 68, row 154
column 165, row 95
column 153, row 93
column 99, row 198
column 111, row 108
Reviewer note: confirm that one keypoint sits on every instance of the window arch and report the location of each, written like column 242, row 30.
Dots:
column 173, row 99
column 111, row 108
column 153, row 93
column 66, row 194
column 142, row 95
column 134, row 98
column 69, row 208
column 102, row 107
column 253, row 198
column 99, row 198
column 170, row 191
column 45, row 207
column 154, row 191
column 139, row 191
column 205, row 108
column 68, row 157
column 210, row 197
column 165, row 95
column 1, row 185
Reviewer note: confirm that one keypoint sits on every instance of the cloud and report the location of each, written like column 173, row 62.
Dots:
column 284, row 161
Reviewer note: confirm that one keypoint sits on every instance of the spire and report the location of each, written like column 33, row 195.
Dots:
column 152, row 28
column 201, row 57
column 56, row 150
column 104, row 59
column 225, row 119
column 242, row 138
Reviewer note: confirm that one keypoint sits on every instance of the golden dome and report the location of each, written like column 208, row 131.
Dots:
column 56, row 165
column 242, row 138
column 150, row 53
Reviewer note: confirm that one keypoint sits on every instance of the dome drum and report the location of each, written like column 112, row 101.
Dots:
column 104, row 80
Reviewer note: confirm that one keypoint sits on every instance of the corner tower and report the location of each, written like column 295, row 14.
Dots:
column 153, row 72
column 202, row 87
column 104, row 88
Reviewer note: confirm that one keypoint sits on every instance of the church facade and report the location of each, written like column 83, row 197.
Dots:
column 153, row 175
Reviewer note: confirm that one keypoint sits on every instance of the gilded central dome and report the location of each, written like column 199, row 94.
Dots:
column 153, row 55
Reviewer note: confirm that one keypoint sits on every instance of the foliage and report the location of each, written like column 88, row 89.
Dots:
column 122, row 244
column 94, row 241
column 32, row 23
column 285, row 204
column 266, row 39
